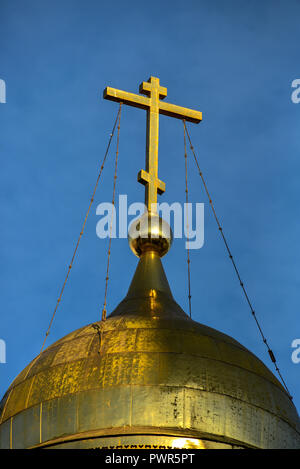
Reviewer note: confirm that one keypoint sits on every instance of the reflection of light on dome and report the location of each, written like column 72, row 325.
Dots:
column 148, row 233
column 152, row 299
column 187, row 443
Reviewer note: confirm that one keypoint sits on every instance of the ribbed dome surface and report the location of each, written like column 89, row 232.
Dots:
column 157, row 379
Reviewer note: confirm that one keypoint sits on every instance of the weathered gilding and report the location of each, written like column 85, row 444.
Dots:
column 160, row 380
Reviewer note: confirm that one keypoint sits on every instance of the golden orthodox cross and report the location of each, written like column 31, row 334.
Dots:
column 154, row 106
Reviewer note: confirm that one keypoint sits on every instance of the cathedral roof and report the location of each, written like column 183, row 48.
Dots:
column 148, row 374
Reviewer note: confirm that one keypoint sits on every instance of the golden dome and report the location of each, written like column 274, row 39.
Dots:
column 157, row 379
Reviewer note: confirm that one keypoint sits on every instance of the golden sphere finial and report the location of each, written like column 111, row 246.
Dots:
column 150, row 233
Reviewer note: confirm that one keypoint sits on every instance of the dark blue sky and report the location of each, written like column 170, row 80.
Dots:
column 235, row 61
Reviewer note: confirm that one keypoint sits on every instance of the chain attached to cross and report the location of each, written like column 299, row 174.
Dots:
column 153, row 104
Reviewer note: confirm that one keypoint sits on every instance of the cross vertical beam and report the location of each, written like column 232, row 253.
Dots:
column 150, row 177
